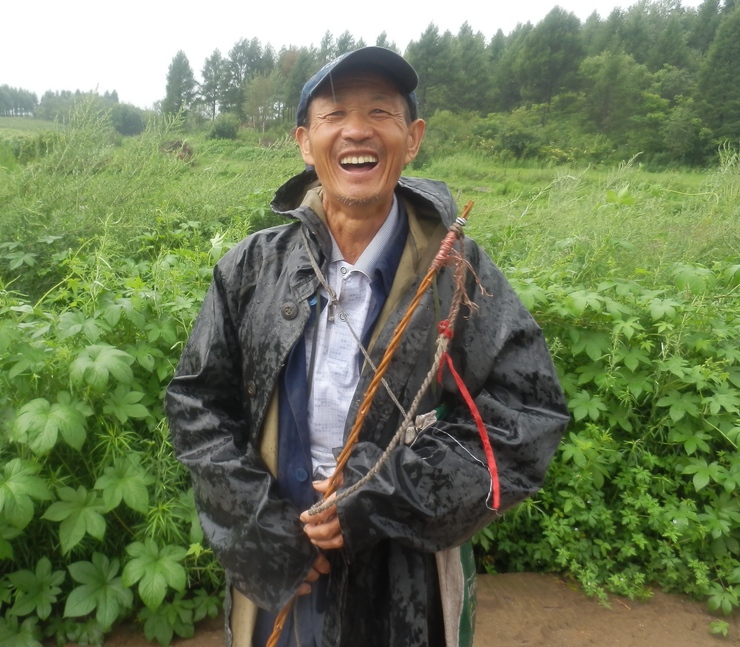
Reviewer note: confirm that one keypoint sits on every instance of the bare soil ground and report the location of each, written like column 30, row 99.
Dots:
column 538, row 610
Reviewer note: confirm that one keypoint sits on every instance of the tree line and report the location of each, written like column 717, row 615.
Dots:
column 17, row 102
column 656, row 78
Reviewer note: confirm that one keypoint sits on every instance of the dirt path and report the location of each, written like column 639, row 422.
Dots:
column 538, row 610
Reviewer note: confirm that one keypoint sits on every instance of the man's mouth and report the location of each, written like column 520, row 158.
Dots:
column 358, row 162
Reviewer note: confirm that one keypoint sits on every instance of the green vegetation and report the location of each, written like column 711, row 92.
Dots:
column 106, row 250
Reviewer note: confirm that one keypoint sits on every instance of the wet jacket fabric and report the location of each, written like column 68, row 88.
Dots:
column 405, row 531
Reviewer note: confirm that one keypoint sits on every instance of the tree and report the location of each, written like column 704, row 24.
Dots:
column 181, row 84
column 612, row 88
column 214, row 77
column 550, row 56
column 327, row 50
column 670, row 48
column 17, row 102
column 432, row 57
column 127, row 119
column 705, row 25
column 382, row 41
column 244, row 62
column 345, row 43
column 497, row 47
column 506, row 92
column 303, row 69
column 718, row 87
column 471, row 86
column 685, row 135
column 263, row 100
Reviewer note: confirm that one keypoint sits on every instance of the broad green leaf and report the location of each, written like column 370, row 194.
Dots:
column 30, row 359
column 632, row 357
column 595, row 344
column 172, row 617
column 38, row 590
column 164, row 329
column 39, row 423
column 18, row 486
column 583, row 300
column 18, row 259
column 124, row 404
column 693, row 278
column 205, row 604
column 703, row 473
column 146, row 356
column 585, row 405
column 155, row 570
column 126, row 480
column 680, row 404
column 80, row 512
column 663, row 308
column 7, row 533
column 9, row 336
column 75, row 322
column 14, row 635
column 95, row 365
column 102, row 590
column 627, row 327
column 724, row 398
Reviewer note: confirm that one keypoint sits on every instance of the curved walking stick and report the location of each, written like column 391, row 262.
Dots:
column 440, row 259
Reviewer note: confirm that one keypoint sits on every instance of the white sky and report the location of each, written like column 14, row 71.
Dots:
column 128, row 46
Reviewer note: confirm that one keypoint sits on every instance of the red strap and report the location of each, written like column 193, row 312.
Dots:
column 492, row 469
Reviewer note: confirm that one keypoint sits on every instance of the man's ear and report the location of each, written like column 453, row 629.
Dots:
column 416, row 134
column 304, row 143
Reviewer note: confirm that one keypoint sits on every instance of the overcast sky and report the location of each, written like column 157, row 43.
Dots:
column 128, row 46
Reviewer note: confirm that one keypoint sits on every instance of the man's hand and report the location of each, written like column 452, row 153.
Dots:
column 320, row 567
column 323, row 529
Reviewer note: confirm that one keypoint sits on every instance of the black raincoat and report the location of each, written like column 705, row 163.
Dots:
column 430, row 496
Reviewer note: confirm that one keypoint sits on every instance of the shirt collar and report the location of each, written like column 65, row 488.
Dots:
column 371, row 257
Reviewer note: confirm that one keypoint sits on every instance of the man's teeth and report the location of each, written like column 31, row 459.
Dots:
column 359, row 159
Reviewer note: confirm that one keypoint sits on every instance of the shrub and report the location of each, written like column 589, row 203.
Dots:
column 225, row 126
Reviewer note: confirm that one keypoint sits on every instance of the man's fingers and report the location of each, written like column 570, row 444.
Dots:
column 322, row 564
column 320, row 567
column 326, row 535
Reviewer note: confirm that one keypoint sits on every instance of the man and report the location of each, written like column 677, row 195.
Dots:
column 272, row 377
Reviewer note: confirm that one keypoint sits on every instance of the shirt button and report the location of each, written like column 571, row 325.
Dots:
column 289, row 310
column 343, row 317
column 343, row 270
column 301, row 474
column 251, row 389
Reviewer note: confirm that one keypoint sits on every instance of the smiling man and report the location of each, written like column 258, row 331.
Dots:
column 272, row 377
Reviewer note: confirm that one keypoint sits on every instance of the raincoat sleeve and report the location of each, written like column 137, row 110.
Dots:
column 436, row 493
column 255, row 534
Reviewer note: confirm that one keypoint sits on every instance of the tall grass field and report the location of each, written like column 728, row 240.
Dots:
column 106, row 250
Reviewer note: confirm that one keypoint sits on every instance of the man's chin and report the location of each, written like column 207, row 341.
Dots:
column 358, row 201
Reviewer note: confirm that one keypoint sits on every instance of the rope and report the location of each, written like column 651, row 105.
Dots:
column 443, row 341
column 334, row 302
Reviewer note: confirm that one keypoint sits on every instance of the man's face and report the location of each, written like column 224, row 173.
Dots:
column 359, row 139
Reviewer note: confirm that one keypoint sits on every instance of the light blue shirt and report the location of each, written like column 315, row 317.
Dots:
column 336, row 366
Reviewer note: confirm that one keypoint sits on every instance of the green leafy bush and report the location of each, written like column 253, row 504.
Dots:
column 225, row 126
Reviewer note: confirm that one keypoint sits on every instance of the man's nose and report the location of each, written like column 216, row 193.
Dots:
column 357, row 127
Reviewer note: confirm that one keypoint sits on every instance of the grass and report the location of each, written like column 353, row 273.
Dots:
column 24, row 125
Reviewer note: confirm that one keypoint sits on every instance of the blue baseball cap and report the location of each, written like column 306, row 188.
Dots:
column 386, row 61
